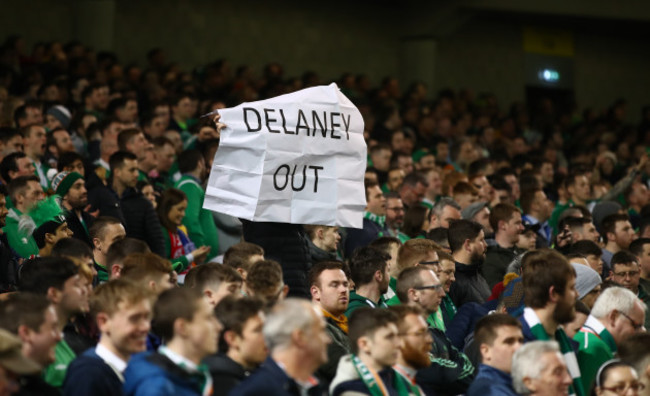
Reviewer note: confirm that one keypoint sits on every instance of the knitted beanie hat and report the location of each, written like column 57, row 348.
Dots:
column 62, row 182
column 62, row 114
column 586, row 279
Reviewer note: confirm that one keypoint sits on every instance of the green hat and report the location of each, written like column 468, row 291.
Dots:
column 62, row 182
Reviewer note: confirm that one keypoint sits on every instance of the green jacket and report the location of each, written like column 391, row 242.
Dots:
column 357, row 301
column 199, row 222
column 596, row 347
column 24, row 246
column 54, row 374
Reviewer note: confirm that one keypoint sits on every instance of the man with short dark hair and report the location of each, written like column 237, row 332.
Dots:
column 375, row 341
column 374, row 220
column 330, row 291
column 242, row 348
column 190, row 329
column 626, row 272
column 582, row 228
column 295, row 335
column 15, row 165
column 140, row 218
column 579, row 190
column 25, row 192
column 34, row 140
column 590, row 251
column 550, row 296
column 215, row 282
column 58, row 279
column 617, row 235
column 498, row 336
column 505, row 220
column 467, row 243
column 323, row 242
column 537, row 209
column 199, row 221
column 103, row 233
column 241, row 256
column 370, row 273
column 123, row 313
column 413, row 189
column 265, row 280
column 641, row 249
column 34, row 320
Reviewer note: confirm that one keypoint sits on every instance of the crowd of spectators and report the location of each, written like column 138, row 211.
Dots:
column 504, row 250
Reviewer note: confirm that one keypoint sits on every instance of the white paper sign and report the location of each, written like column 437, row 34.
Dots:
column 298, row 158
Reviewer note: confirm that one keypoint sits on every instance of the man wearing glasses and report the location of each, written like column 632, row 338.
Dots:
column 450, row 372
column 626, row 272
column 616, row 315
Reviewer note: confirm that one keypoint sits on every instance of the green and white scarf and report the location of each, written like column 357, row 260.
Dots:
column 373, row 381
column 381, row 220
column 537, row 329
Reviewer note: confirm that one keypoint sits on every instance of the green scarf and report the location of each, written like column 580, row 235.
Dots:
column 380, row 220
column 537, row 329
column 374, row 383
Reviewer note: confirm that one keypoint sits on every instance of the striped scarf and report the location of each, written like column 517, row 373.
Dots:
column 380, row 220
column 565, row 347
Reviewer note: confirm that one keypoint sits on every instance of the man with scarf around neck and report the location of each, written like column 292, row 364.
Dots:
column 295, row 334
column 415, row 351
column 450, row 372
column 549, row 296
column 375, row 342
column 374, row 220
column 468, row 246
column 329, row 287
column 371, row 276
column 616, row 315
column 498, row 337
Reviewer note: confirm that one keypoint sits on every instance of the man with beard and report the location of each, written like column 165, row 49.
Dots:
column 330, row 290
column 415, row 348
column 549, row 296
column 467, row 243
column 74, row 198
column 370, row 273
column 616, row 315
column 498, row 337
column 395, row 216
column 123, row 313
column 451, row 372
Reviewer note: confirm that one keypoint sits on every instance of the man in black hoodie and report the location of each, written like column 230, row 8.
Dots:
column 241, row 344
column 467, row 243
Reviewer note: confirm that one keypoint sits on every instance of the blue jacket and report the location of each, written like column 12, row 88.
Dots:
column 270, row 379
column 491, row 382
column 154, row 374
column 88, row 374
